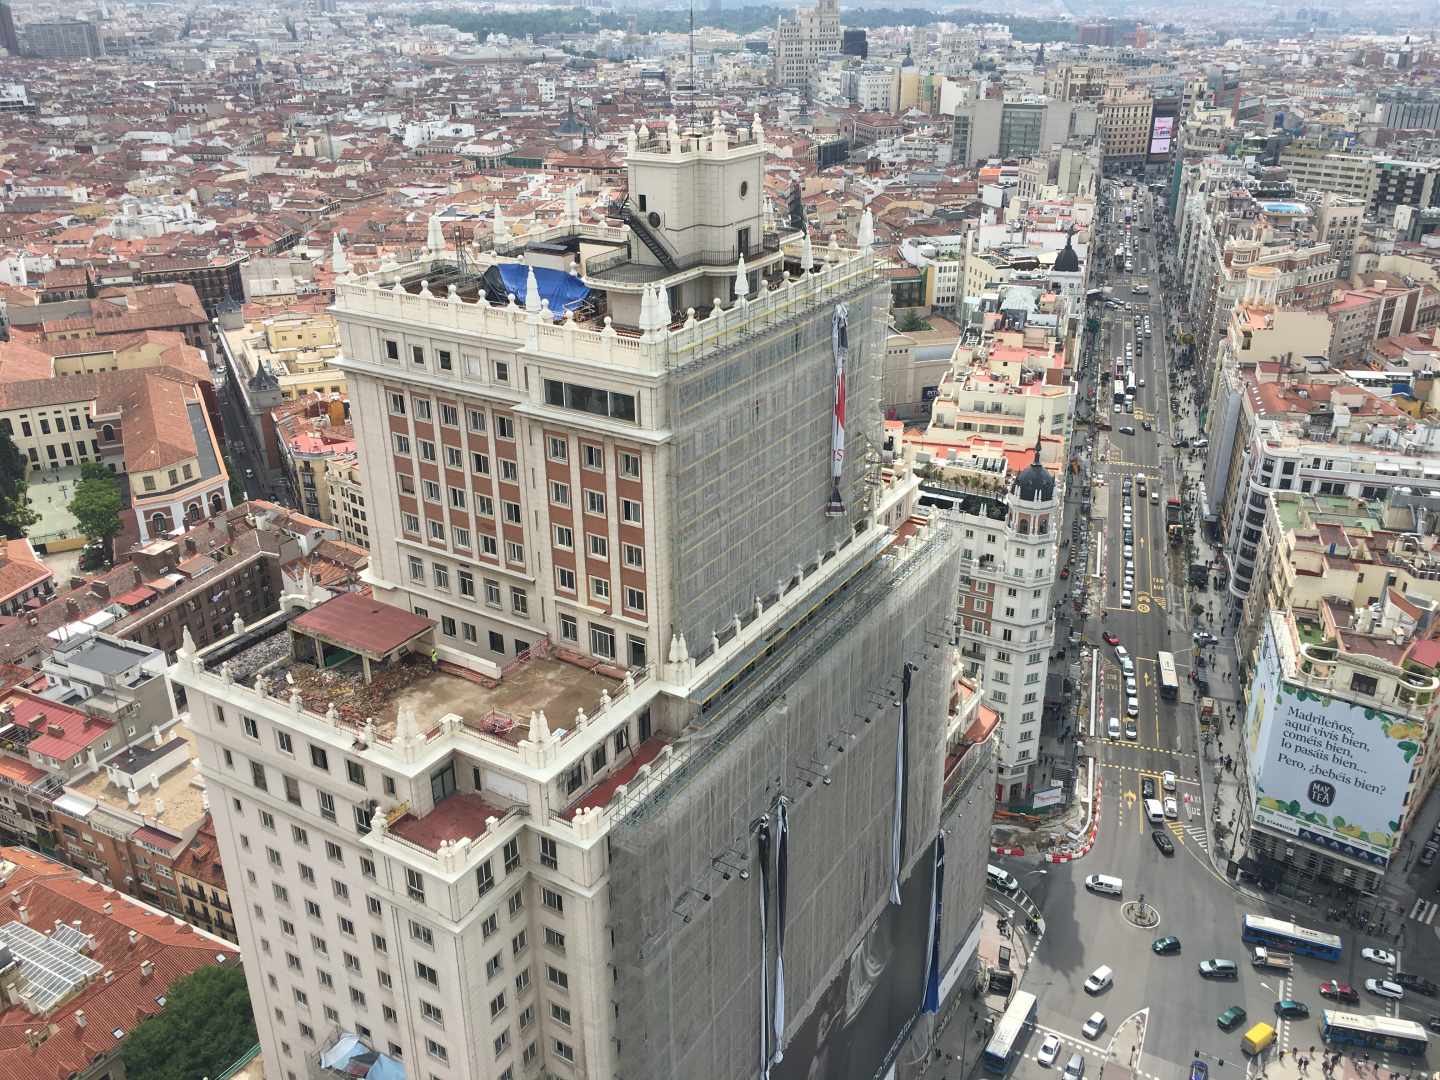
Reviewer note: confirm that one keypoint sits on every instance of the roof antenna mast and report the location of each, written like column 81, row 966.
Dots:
column 692, row 60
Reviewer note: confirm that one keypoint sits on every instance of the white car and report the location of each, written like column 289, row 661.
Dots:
column 1096, row 1024
column 1132, row 706
column 1122, row 654
column 1129, row 551
column 1130, row 685
column 1385, row 988
column 1172, row 811
column 1049, row 1050
column 1125, row 598
column 1130, row 566
column 1167, row 780
column 1128, row 584
column 1379, row 956
column 1074, row 1068
column 1117, row 407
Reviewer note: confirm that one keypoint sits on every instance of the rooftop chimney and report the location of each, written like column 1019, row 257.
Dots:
column 147, row 968
column 24, row 914
column 72, row 609
column 80, row 1018
column 133, row 936
column 108, row 977
column 100, row 589
column 108, row 908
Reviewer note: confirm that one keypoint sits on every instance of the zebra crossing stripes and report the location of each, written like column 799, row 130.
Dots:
column 1424, row 911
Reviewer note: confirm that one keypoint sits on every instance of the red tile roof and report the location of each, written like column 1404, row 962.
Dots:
column 50, row 893
column 63, row 731
column 362, row 624
column 20, row 568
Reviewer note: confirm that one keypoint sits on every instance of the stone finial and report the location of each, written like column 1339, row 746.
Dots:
column 604, row 700
column 672, row 134
column 572, row 207
column 718, row 138
column 296, row 701
column 501, row 233
column 237, row 624
column 339, row 263
column 262, row 685
column 187, row 644
column 673, row 656
column 662, row 308
column 757, row 131
column 532, row 291
column 632, row 141
column 580, row 718
column 539, row 728
column 684, row 650
column 629, row 681
column 865, row 234
column 832, row 253
column 435, row 235
column 714, row 643
column 742, row 279
column 406, row 726
column 425, row 289
column 807, row 254
column 332, row 714
column 379, row 823
column 738, row 625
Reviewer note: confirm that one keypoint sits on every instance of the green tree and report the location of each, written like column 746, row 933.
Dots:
column 96, row 506
column 207, row 1023
column 15, row 513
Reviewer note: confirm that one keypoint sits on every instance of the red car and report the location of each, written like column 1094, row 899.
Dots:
column 1338, row 991
column 1111, row 639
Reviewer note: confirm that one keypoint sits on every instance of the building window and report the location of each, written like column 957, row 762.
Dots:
column 564, row 579
column 635, row 600
column 600, row 589
column 415, row 885
column 595, row 502
column 319, row 758
column 630, row 512
column 519, row 603
column 599, row 546
column 549, row 853
column 569, row 628
column 634, row 555
column 557, row 977
column 629, row 465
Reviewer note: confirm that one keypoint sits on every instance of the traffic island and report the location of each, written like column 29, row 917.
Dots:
column 1140, row 914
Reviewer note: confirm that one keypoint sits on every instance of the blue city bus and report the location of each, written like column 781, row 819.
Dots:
column 1289, row 937
column 1019, row 1018
column 1384, row 1033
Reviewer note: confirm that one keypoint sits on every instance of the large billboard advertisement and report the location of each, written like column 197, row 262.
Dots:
column 1162, row 134
column 1330, row 772
column 853, row 1030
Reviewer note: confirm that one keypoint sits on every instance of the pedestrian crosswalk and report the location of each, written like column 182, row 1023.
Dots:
column 1424, row 911
column 1190, row 834
column 1069, row 1044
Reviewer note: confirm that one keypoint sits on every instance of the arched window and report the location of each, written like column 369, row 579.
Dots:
column 158, row 524
column 107, row 432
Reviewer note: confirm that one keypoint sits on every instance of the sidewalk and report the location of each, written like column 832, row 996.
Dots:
column 968, row 1026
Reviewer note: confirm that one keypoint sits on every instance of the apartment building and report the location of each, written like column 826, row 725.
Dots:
column 804, row 39
column 346, row 486
column 1339, row 728
column 1125, row 114
column 1300, row 426
column 201, row 880
column 311, row 433
column 25, row 581
column 1009, row 524
column 1382, row 309
column 431, row 857
column 1337, row 223
column 226, row 566
column 283, row 358
column 1334, row 171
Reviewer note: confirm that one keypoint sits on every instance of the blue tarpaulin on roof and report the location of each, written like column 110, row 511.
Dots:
column 560, row 290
